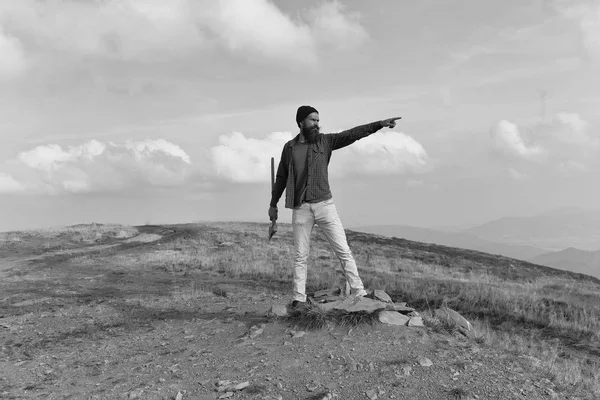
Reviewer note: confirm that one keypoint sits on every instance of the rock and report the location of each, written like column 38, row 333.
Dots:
column 329, row 306
column 226, row 395
column 241, row 386
column 407, row 370
column 400, row 307
column 383, row 296
column 424, row 362
column 371, row 394
column 415, row 321
column 327, row 292
column 256, row 330
column 356, row 304
column 277, row 310
column 297, row 335
column 453, row 317
column 135, row 394
column 312, row 387
column 393, row 318
column 179, row 396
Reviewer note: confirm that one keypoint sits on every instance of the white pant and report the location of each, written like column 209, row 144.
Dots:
column 325, row 215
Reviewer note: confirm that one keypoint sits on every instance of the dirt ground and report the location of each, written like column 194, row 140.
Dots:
column 71, row 330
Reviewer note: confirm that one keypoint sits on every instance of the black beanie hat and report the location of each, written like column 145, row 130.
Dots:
column 303, row 112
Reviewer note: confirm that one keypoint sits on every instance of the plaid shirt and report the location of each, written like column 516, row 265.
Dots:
column 319, row 154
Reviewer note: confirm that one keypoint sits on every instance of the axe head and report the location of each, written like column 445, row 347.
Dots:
column 272, row 228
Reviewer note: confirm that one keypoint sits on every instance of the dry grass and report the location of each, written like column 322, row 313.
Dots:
column 75, row 233
column 550, row 317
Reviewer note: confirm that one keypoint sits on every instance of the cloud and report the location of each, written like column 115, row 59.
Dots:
column 587, row 17
column 334, row 27
column 258, row 26
column 516, row 175
column 8, row 184
column 563, row 141
column 507, row 140
column 241, row 159
column 98, row 167
column 12, row 58
column 383, row 153
column 149, row 30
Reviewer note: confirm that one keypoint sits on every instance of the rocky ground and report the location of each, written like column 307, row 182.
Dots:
column 98, row 331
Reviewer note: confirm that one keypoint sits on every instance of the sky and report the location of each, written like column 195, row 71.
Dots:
column 156, row 111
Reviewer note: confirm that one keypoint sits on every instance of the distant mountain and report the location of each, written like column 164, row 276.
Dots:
column 452, row 239
column 552, row 230
column 571, row 259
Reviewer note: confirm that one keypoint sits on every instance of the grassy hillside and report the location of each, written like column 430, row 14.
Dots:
column 549, row 316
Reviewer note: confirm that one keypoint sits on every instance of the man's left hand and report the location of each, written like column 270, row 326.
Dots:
column 390, row 123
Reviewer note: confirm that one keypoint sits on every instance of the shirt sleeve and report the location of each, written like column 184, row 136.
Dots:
column 345, row 138
column 280, row 179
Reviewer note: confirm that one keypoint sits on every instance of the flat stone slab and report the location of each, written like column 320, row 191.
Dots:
column 328, row 298
column 400, row 307
column 326, row 292
column 393, row 318
column 358, row 304
column 382, row 296
column 329, row 306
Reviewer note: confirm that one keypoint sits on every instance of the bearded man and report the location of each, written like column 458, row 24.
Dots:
column 302, row 173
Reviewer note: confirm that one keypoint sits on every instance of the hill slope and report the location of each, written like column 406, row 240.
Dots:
column 164, row 310
column 571, row 259
column 553, row 230
column 453, row 239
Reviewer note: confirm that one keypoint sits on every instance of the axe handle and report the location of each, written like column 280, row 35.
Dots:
column 272, row 173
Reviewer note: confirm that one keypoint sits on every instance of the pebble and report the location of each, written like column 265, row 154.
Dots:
column 424, row 362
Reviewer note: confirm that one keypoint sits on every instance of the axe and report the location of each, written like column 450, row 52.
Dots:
column 273, row 226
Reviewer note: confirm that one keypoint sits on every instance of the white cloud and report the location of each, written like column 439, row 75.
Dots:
column 507, row 140
column 241, row 159
column 383, row 153
column 563, row 141
column 258, row 26
column 8, row 184
column 517, row 175
column 567, row 128
column 127, row 29
column 334, row 27
column 587, row 16
column 142, row 30
column 12, row 58
column 97, row 167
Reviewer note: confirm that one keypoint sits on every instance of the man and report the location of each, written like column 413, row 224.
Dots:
column 303, row 174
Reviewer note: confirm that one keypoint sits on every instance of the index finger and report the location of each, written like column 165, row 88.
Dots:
column 393, row 119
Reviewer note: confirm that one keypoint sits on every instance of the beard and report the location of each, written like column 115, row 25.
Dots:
column 311, row 134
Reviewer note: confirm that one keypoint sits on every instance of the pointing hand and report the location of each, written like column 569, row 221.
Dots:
column 390, row 123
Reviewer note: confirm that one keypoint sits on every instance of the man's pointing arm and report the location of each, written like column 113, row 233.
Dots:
column 345, row 138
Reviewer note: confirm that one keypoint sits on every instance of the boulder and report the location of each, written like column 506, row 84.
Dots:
column 393, row 318
column 415, row 321
column 453, row 317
